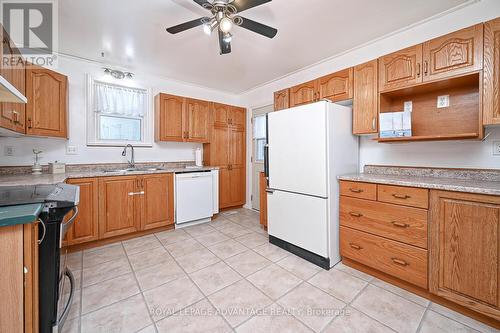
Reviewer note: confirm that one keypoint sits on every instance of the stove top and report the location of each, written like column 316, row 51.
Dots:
column 52, row 196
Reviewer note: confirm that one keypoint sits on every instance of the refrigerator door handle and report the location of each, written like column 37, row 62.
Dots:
column 266, row 161
column 270, row 191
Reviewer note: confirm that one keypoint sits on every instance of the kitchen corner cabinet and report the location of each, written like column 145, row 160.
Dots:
column 464, row 256
column 158, row 203
column 491, row 73
column 47, row 94
column 86, row 225
column 365, row 102
column 13, row 115
column 181, row 119
column 282, row 99
column 19, row 278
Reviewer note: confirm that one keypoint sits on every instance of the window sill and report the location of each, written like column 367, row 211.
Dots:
column 119, row 144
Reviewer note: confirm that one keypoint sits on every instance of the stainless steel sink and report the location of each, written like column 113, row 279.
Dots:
column 132, row 170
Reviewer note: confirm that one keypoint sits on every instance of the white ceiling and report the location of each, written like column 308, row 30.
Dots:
column 132, row 35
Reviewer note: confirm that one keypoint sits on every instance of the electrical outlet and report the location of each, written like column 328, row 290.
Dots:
column 496, row 147
column 71, row 150
column 8, row 151
column 443, row 101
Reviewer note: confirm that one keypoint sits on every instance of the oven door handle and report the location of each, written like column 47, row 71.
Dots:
column 64, row 314
column 67, row 225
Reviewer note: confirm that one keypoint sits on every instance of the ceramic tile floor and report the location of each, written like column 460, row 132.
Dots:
column 225, row 277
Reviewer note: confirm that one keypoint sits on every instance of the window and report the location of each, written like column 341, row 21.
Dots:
column 259, row 135
column 118, row 115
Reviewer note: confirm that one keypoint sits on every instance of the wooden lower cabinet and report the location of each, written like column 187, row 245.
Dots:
column 19, row 278
column 231, row 187
column 86, row 226
column 464, row 250
column 158, row 203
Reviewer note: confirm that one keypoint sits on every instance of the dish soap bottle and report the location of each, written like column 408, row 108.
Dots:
column 36, row 169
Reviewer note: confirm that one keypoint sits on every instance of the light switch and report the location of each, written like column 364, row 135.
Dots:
column 71, row 150
column 496, row 147
column 8, row 151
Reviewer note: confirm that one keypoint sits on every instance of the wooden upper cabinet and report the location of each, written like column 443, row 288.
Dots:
column 304, row 93
column 454, row 54
column 197, row 119
column 47, row 108
column 158, row 203
column 118, row 206
column 365, row 103
column 237, row 117
column 400, row 69
column 85, row 226
column 220, row 114
column 464, row 256
column 337, row 86
column 13, row 115
column 282, row 99
column 491, row 73
column 169, row 111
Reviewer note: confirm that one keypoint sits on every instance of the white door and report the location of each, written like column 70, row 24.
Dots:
column 298, row 150
column 300, row 220
column 258, row 142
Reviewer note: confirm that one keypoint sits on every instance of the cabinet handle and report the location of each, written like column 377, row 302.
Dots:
column 401, row 196
column 30, row 123
column 355, row 246
column 426, row 67
column 399, row 262
column 418, row 69
column 43, row 233
column 355, row 214
column 355, row 190
column 374, row 123
column 142, row 183
column 135, row 193
column 400, row 224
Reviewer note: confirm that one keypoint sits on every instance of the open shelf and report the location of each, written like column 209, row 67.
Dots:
column 460, row 121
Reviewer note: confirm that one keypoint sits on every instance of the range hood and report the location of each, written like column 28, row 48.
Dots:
column 9, row 93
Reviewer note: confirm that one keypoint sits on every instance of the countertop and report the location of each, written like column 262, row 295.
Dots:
column 20, row 214
column 480, row 186
column 50, row 179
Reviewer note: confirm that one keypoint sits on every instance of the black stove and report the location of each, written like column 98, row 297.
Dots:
column 53, row 196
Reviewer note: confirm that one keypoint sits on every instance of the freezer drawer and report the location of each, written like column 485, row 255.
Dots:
column 300, row 220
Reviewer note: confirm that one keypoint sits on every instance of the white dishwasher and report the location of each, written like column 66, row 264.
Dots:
column 193, row 197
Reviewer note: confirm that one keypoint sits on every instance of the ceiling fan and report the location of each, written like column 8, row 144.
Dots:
column 224, row 16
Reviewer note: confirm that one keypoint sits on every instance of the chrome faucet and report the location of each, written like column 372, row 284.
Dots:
column 131, row 163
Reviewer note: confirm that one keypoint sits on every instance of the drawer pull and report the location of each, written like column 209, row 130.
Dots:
column 399, row 262
column 400, row 224
column 356, row 190
column 355, row 214
column 355, row 246
column 135, row 193
column 401, row 196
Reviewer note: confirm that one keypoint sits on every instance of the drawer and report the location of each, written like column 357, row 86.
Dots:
column 405, row 262
column 400, row 223
column 408, row 196
column 358, row 190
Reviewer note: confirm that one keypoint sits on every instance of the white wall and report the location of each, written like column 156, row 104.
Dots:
column 458, row 154
column 55, row 149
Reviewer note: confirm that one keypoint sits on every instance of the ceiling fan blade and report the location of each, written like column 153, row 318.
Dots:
column 187, row 25
column 259, row 28
column 225, row 47
column 242, row 5
column 204, row 3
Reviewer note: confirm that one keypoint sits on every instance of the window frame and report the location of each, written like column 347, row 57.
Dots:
column 93, row 118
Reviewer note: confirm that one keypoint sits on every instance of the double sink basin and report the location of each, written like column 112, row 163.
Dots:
column 121, row 171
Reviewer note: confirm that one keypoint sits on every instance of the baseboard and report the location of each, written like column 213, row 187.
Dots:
column 300, row 252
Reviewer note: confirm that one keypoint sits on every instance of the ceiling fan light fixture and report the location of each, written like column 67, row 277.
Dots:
column 210, row 26
column 227, row 37
column 225, row 24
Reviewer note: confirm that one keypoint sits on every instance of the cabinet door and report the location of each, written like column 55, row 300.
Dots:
column 237, row 185
column 491, row 73
column 158, row 205
column 454, row 54
column 237, row 117
column 281, row 99
column 85, row 228
column 400, row 69
column 219, row 146
column 197, row 120
column 46, row 111
column 304, row 93
column 336, row 86
column 224, row 188
column 464, row 255
column 365, row 103
column 169, row 117
column 237, row 146
column 12, row 115
column 117, row 206
column 221, row 114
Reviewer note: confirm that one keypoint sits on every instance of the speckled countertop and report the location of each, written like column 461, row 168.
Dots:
column 88, row 172
column 458, row 180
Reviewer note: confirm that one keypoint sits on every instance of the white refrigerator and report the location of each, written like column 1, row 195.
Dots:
column 308, row 147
